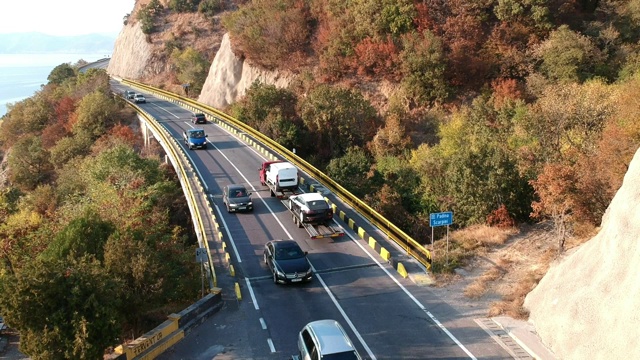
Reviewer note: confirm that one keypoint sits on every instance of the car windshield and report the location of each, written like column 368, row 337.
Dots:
column 289, row 252
column 197, row 134
column 238, row 193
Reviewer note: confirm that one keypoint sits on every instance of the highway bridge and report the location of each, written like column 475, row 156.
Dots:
column 388, row 313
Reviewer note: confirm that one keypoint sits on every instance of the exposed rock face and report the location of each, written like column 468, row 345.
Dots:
column 131, row 53
column 587, row 306
column 230, row 77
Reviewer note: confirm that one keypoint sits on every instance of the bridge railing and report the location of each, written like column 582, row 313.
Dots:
column 410, row 245
column 170, row 147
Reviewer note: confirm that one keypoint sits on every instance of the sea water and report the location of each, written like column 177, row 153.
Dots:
column 21, row 75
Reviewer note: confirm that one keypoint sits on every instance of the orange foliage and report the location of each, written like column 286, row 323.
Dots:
column 52, row 134
column 125, row 133
column 376, row 58
column 464, row 36
column 500, row 218
column 424, row 19
column 64, row 110
column 556, row 189
column 504, row 90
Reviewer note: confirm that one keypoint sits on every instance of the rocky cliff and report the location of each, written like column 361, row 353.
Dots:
column 228, row 80
column 131, row 54
column 586, row 306
column 230, row 77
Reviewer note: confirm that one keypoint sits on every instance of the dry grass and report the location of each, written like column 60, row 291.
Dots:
column 495, row 268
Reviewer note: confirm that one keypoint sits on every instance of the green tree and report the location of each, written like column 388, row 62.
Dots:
column 338, row 119
column 182, row 6
column 352, row 171
column 29, row 163
column 85, row 235
column 568, row 56
column 210, row 7
column 272, row 111
column 423, row 67
column 61, row 73
column 147, row 14
column 96, row 113
column 63, row 309
column 192, row 68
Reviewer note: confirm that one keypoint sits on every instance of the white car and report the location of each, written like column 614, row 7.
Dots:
column 139, row 98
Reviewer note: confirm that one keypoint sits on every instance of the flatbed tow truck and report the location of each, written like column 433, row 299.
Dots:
column 316, row 230
column 275, row 178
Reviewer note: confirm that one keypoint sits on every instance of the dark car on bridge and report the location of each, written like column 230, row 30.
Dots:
column 287, row 262
column 198, row 118
column 236, row 198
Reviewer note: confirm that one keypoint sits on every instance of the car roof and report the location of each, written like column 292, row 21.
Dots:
column 331, row 337
column 198, row 114
column 311, row 196
column 236, row 187
column 283, row 165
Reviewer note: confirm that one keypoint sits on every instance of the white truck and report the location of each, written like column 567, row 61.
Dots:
column 312, row 212
column 281, row 177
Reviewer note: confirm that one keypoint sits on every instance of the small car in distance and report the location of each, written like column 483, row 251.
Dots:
column 325, row 339
column 236, row 198
column 287, row 262
column 129, row 95
column 139, row 98
column 198, row 118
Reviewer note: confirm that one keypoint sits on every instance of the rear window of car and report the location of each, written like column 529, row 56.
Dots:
column 317, row 205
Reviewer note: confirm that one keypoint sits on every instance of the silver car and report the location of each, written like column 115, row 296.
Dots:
column 325, row 339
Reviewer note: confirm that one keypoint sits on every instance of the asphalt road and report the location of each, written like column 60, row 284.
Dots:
column 387, row 316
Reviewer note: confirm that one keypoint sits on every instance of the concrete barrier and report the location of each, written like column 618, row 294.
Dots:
column 156, row 341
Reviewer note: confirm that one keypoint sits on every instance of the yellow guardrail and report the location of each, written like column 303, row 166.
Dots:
column 411, row 246
column 182, row 174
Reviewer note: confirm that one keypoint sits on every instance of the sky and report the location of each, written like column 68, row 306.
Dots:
column 63, row 17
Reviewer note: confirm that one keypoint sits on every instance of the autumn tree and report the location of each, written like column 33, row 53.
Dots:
column 565, row 120
column 556, row 191
column 392, row 139
column 271, row 33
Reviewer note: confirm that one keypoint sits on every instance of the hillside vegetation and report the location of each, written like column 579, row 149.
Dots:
column 95, row 244
column 502, row 111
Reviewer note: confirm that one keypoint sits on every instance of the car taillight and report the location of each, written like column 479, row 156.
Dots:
column 330, row 212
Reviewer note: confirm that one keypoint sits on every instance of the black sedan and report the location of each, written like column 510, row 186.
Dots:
column 287, row 262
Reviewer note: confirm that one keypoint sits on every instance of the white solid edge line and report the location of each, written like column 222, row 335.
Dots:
column 253, row 296
column 422, row 307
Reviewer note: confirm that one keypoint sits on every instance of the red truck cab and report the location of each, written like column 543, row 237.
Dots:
column 263, row 170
